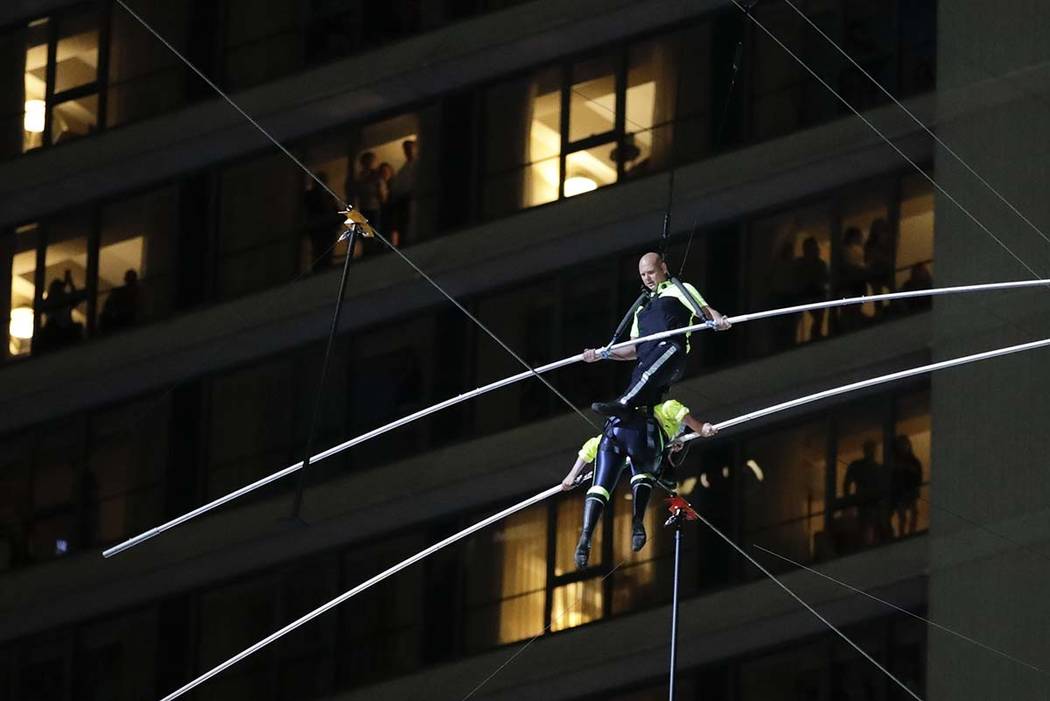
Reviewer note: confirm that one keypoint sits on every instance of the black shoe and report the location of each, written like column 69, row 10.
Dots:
column 614, row 409
column 637, row 535
column 583, row 551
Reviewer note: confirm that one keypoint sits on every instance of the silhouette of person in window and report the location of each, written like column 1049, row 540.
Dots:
column 365, row 193
column 386, row 217
column 812, row 274
column 402, row 191
column 905, row 482
column 59, row 329
column 852, row 278
column 878, row 259
column 323, row 223
column 121, row 308
column 783, row 292
column 919, row 278
column 866, row 483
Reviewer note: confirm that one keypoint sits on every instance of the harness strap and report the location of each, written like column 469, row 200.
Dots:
column 690, row 299
column 629, row 317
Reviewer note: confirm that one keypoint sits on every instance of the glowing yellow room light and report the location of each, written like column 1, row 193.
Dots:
column 21, row 323
column 578, row 184
column 34, row 116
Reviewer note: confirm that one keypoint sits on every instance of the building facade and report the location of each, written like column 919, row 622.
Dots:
column 169, row 280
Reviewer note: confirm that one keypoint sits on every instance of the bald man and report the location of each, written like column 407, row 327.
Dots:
column 668, row 304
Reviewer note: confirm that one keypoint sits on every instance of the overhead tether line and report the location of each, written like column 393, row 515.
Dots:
column 557, row 489
column 484, row 389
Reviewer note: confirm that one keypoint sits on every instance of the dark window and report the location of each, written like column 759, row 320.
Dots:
column 145, row 77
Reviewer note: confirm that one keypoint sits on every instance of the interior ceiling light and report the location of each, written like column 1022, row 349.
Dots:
column 725, row 471
column 34, row 116
column 688, row 485
column 578, row 184
column 703, row 480
column 22, row 323
column 756, row 469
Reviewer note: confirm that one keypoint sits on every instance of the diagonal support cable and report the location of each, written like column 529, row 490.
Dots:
column 347, row 207
column 809, row 608
column 889, row 142
column 900, row 609
column 1002, row 198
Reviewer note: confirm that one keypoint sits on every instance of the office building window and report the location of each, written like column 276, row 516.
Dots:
column 790, row 257
column 260, row 45
column 506, row 593
column 259, row 243
column 55, row 521
column 249, row 432
column 137, row 239
column 389, row 375
column 386, row 170
column 913, row 266
column 894, row 42
column 909, row 460
column 782, row 479
column 145, row 77
column 91, row 272
column 124, row 477
column 381, row 629
column 872, row 238
column 307, row 658
column 16, row 504
column 232, row 617
column 587, row 123
column 385, row 181
column 23, row 319
column 60, row 60
column 117, row 658
column 43, row 670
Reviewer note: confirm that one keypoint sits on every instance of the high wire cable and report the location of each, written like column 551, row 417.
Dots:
column 484, row 389
column 799, row 599
column 872, row 382
column 886, row 139
column 905, row 611
column 556, row 489
column 1002, row 198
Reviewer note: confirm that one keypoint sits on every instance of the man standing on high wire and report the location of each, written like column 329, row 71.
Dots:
column 666, row 304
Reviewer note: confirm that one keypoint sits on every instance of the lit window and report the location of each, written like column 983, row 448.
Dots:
column 576, row 603
column 914, row 265
column 23, row 291
column 786, row 509
column 541, row 177
column 35, row 84
column 61, row 91
column 592, row 98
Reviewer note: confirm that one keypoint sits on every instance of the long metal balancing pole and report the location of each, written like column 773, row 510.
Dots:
column 452, row 401
column 881, row 379
column 535, row 499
